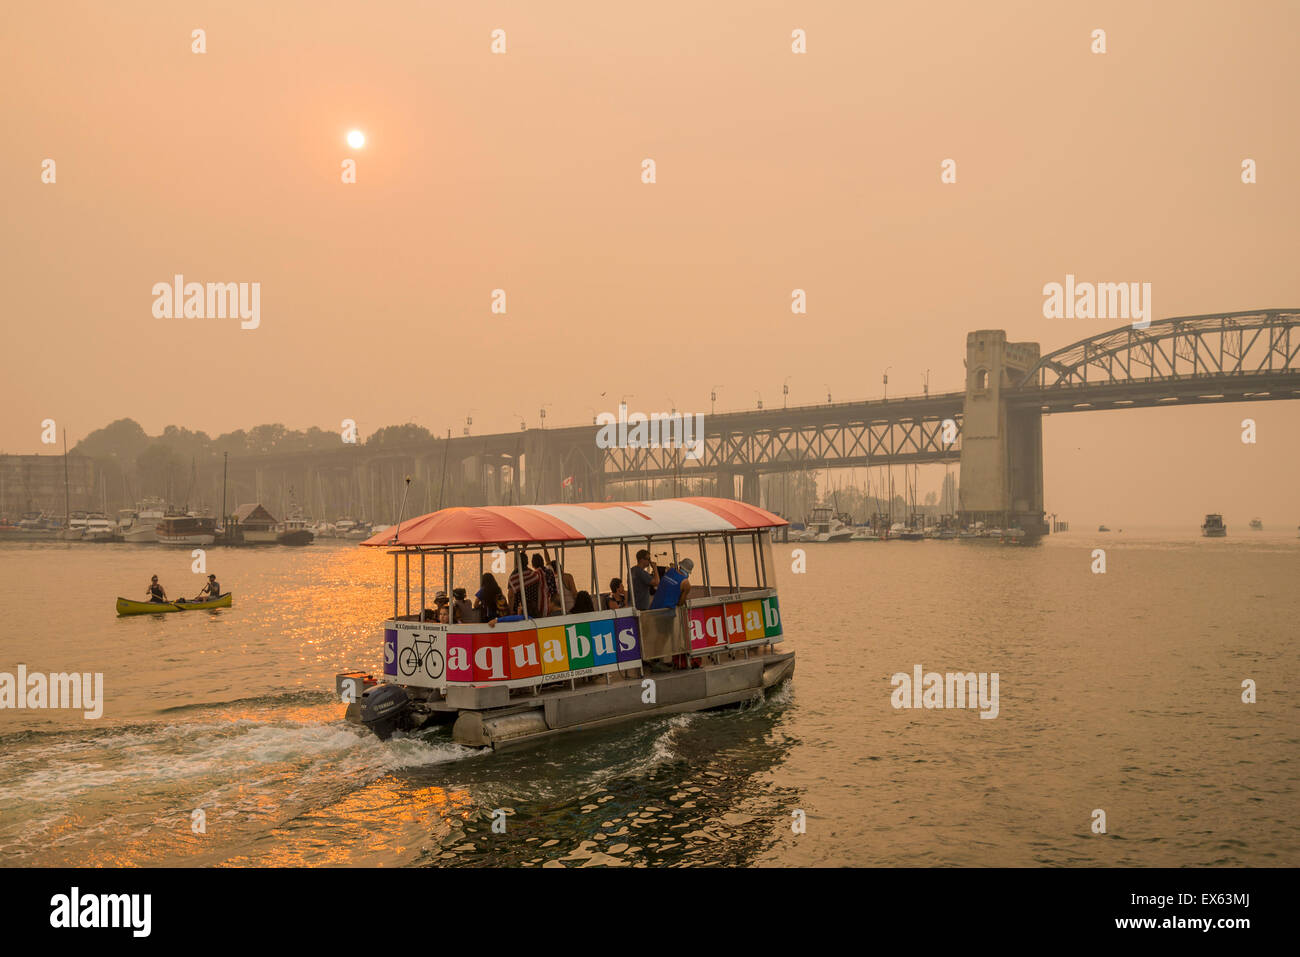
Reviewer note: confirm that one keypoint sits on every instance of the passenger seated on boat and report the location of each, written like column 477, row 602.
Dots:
column 441, row 605
column 156, row 592
column 673, row 586
column 428, row 615
column 489, row 602
column 461, row 609
column 616, row 597
column 645, row 579
column 570, row 587
column 582, row 603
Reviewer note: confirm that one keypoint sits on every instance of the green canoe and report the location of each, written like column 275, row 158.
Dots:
column 126, row 606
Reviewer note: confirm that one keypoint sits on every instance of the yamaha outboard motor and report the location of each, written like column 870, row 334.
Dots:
column 383, row 708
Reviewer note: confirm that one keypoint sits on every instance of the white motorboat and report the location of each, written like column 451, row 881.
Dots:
column 76, row 529
column 99, row 528
column 826, row 526
column 140, row 526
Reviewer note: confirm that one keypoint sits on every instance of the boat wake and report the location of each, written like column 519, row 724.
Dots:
column 147, row 782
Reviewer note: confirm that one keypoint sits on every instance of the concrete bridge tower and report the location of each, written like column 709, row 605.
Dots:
column 1001, row 447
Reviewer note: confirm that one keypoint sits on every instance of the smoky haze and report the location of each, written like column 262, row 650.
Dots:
column 522, row 172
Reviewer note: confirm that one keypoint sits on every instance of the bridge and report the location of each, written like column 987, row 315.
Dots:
column 992, row 428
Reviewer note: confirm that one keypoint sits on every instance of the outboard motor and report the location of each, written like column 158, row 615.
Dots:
column 383, row 708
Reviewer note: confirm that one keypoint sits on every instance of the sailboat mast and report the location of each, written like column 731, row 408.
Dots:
column 67, row 488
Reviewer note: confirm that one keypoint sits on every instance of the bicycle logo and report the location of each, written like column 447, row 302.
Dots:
column 421, row 653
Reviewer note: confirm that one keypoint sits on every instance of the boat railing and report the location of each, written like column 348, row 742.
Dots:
column 537, row 651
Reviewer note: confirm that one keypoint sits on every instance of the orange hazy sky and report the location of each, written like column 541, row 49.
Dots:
column 523, row 172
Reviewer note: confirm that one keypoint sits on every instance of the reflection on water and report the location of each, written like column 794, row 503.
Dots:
column 1119, row 691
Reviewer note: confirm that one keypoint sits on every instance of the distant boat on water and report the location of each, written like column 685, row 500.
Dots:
column 296, row 531
column 99, row 528
column 76, row 529
column 140, row 525
column 1256, row 525
column 187, row 530
column 1102, row 528
column 1213, row 526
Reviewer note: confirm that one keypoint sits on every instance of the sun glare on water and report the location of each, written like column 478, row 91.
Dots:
column 356, row 139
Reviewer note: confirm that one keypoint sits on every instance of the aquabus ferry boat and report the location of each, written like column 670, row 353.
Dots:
column 521, row 678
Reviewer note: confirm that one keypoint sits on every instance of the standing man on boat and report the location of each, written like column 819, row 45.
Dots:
column 156, row 592
column 645, row 579
column 211, row 591
column 673, row 585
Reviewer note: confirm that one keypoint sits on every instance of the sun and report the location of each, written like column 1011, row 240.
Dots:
column 356, row 139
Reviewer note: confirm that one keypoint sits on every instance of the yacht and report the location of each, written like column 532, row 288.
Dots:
column 1213, row 526
column 99, row 528
column 140, row 525
column 1256, row 525
column 826, row 526
column 76, row 529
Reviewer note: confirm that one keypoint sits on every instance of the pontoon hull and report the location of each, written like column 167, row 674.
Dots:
column 528, row 719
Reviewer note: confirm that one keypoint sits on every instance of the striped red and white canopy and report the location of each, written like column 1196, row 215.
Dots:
column 599, row 521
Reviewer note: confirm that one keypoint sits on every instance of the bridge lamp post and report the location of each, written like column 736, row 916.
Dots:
column 713, row 399
column 927, row 383
column 760, row 399
column 542, row 413
column 885, row 378
column 785, row 392
column 469, row 420
column 828, row 392
column 523, row 423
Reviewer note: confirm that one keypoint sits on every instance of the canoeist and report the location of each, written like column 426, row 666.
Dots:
column 211, row 591
column 645, row 579
column 156, row 592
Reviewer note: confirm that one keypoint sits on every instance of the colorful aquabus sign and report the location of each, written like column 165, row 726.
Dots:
column 516, row 654
column 732, row 624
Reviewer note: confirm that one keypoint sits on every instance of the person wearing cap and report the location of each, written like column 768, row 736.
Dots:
column 211, row 591
column 442, row 603
column 673, row 585
column 156, row 591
